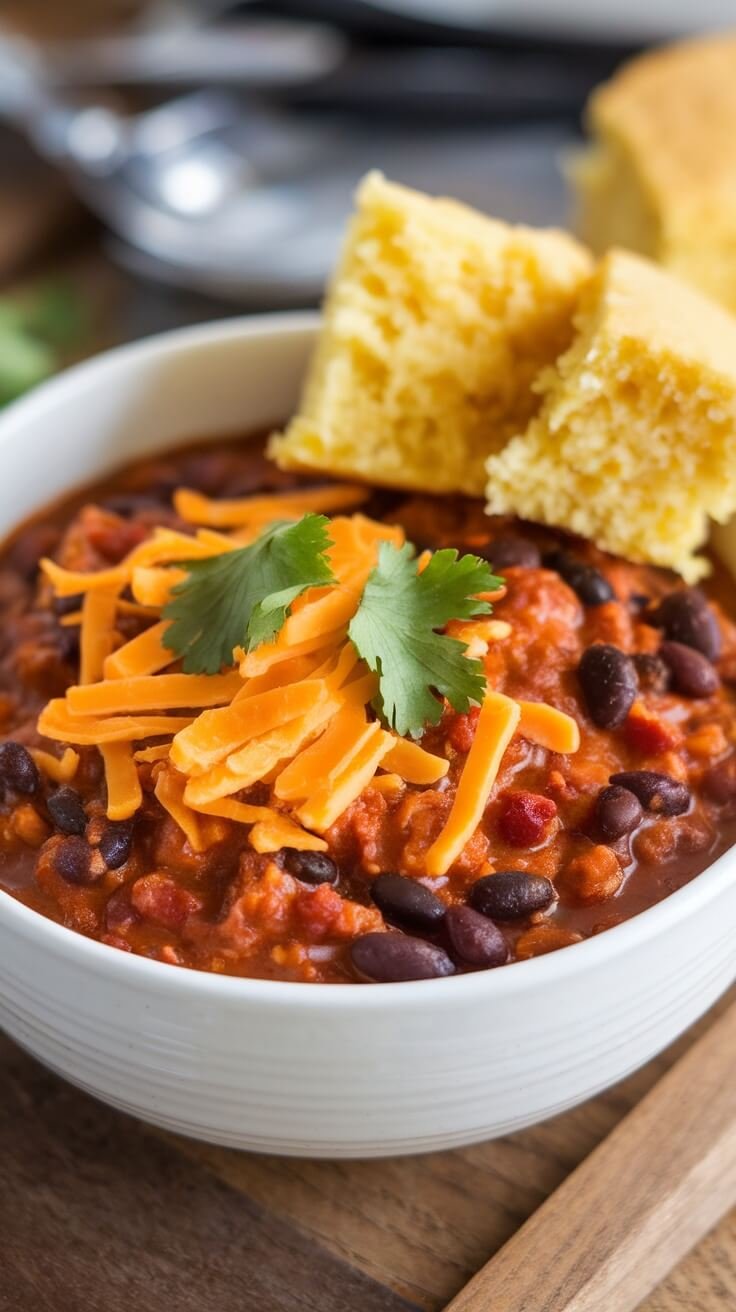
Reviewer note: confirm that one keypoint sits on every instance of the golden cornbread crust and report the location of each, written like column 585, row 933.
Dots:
column 660, row 177
column 634, row 445
column 437, row 321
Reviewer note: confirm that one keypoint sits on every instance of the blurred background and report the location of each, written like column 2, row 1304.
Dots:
column 165, row 161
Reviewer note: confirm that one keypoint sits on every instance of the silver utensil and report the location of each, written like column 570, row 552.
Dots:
column 252, row 55
column 248, row 202
column 249, row 55
column 253, row 208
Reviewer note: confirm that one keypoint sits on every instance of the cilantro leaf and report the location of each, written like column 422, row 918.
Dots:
column 36, row 332
column 242, row 598
column 54, row 313
column 394, row 632
column 24, row 362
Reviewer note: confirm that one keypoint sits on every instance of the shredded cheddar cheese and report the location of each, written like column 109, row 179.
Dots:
column 277, row 832
column 499, row 717
column 198, row 509
column 548, row 727
column 217, row 733
column 167, row 692
column 170, row 792
column 413, row 764
column 145, row 654
column 294, row 715
column 56, row 722
column 124, row 793
column 97, row 635
column 387, row 783
column 152, row 586
column 330, row 798
column 159, row 752
column 343, row 739
column 60, row 769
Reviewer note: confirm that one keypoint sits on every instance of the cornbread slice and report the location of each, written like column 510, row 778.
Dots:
column 436, row 323
column 660, row 176
column 635, row 443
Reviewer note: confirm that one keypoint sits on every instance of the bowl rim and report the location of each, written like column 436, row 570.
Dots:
column 517, row 977
column 44, row 396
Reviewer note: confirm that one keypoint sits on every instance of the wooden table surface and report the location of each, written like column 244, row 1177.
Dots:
column 98, row 1212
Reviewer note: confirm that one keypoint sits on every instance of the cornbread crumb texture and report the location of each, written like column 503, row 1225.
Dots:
column 660, row 177
column 436, row 324
column 635, row 442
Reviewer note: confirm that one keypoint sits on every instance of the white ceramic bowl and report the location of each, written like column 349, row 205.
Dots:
column 339, row 1070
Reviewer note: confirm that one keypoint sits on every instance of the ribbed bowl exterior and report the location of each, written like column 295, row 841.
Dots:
column 333, row 1071
column 349, row 1070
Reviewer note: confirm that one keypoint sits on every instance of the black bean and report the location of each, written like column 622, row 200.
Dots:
column 511, row 894
column 163, row 488
column 206, row 471
column 686, row 617
column 390, row 958
column 18, row 770
column 474, row 938
column 310, row 867
column 71, row 859
column 617, row 812
column 407, row 903
column 67, row 812
column 608, row 680
column 67, row 605
column 591, row 586
column 559, row 560
column 693, row 675
column 508, row 551
column 653, row 674
column 67, row 642
column 116, row 842
column 385, row 501
column 656, row 792
column 127, row 504
column 719, row 782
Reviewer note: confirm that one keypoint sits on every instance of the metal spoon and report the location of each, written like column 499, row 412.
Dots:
column 248, row 202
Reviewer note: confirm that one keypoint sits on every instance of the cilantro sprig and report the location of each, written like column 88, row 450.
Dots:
column 242, row 598
column 37, row 332
column 395, row 632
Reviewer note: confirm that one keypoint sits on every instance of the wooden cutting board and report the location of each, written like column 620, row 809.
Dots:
column 100, row 1212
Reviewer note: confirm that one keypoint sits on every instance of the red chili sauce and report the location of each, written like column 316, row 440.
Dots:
column 234, row 911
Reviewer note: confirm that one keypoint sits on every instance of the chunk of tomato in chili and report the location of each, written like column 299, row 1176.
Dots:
column 461, row 729
column 525, row 818
column 649, row 734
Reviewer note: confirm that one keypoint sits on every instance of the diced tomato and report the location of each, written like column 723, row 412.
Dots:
column 114, row 537
column 317, row 910
column 648, row 733
column 525, row 818
column 461, row 730
column 159, row 899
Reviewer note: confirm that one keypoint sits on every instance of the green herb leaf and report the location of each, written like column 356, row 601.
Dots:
column 394, row 630
column 242, row 598
column 37, row 332
column 55, row 313
column 24, row 362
